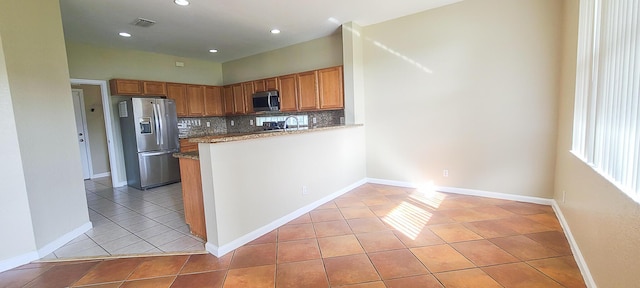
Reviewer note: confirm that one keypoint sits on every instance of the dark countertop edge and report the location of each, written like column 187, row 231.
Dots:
column 193, row 155
column 256, row 135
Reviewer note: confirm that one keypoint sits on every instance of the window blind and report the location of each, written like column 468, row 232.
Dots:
column 606, row 132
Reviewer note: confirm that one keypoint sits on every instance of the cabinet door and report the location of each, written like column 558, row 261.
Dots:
column 186, row 146
column 229, row 100
column 125, row 87
column 153, row 88
column 213, row 101
column 238, row 99
column 288, row 93
column 271, row 84
column 247, row 88
column 258, row 86
column 178, row 92
column 330, row 88
column 308, row 90
column 195, row 100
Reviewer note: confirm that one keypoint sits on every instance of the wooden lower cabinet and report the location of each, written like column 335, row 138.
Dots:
column 186, row 146
column 192, row 197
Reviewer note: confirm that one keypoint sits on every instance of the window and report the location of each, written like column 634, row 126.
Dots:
column 606, row 130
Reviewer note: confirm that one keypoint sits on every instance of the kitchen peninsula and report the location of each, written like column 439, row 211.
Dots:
column 253, row 183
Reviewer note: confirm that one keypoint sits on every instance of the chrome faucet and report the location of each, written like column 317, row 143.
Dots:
column 287, row 119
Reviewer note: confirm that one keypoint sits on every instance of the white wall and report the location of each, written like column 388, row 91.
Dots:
column 38, row 78
column 603, row 220
column 102, row 63
column 315, row 54
column 245, row 188
column 15, row 215
column 354, row 107
column 469, row 87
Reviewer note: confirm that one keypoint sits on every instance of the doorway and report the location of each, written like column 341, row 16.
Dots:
column 117, row 178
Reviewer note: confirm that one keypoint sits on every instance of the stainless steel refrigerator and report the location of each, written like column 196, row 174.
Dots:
column 149, row 129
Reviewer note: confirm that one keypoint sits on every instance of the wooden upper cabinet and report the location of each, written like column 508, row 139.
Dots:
column 154, row 88
column 288, row 93
column 213, row 101
column 239, row 105
column 248, row 90
column 308, row 90
column 178, row 92
column 258, row 86
column 330, row 88
column 195, row 100
column 229, row 100
column 125, row 87
column 271, row 84
column 262, row 85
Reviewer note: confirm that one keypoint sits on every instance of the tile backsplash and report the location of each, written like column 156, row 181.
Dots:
column 249, row 123
column 196, row 127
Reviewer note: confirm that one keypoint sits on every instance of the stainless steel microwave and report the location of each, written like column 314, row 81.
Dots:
column 267, row 101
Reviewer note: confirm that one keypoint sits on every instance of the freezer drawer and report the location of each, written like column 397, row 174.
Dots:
column 158, row 168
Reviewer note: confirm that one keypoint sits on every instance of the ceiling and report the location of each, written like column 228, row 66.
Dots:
column 236, row 28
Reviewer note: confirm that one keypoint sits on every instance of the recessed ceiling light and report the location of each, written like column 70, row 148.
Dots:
column 124, row 34
column 213, row 50
column 181, row 2
column 275, row 31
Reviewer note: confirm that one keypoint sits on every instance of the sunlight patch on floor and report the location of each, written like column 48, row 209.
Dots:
column 408, row 219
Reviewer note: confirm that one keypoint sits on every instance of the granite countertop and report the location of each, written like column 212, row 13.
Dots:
column 262, row 134
column 193, row 155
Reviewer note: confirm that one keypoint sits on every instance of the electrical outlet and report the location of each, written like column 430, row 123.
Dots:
column 305, row 191
column 208, row 124
column 233, row 123
column 314, row 120
column 251, row 122
column 445, row 173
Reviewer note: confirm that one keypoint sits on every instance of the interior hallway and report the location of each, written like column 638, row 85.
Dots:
column 373, row 236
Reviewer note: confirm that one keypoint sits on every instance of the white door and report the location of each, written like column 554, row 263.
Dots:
column 81, row 124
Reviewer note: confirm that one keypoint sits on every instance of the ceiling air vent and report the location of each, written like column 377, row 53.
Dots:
column 143, row 22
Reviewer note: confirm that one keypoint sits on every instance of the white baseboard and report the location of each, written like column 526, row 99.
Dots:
column 470, row 192
column 64, row 239
column 577, row 255
column 19, row 260
column 220, row 251
column 121, row 184
column 582, row 265
column 44, row 251
column 101, row 175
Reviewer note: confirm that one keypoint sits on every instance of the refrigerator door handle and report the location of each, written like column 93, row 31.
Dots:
column 160, row 123
column 156, row 122
column 149, row 154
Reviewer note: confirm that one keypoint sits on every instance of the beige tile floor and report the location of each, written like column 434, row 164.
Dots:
column 130, row 221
